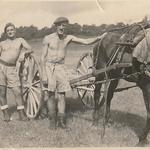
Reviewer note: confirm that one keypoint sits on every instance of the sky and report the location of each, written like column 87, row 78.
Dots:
column 43, row 13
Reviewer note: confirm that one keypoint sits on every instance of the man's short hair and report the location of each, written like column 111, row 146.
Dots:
column 8, row 25
column 61, row 20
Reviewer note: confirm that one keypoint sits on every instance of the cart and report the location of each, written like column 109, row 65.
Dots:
column 84, row 82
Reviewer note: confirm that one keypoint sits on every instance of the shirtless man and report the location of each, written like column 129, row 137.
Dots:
column 54, row 70
column 10, row 51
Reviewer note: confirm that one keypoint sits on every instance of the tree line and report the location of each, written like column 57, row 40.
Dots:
column 32, row 32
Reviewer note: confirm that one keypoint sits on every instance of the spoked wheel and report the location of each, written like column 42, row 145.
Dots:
column 86, row 90
column 31, row 86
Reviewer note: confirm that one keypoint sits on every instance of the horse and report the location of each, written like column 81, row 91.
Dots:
column 102, row 54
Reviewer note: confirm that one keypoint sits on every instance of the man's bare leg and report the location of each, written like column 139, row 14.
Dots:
column 61, row 110
column 3, row 101
column 20, row 103
column 51, row 105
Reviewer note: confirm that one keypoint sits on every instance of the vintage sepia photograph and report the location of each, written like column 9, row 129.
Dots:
column 74, row 73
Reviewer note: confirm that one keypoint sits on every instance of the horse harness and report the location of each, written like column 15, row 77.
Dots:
column 117, row 56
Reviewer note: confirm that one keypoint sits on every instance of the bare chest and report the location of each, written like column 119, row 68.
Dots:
column 57, row 44
column 14, row 46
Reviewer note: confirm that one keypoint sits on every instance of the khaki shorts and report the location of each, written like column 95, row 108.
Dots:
column 58, row 79
column 9, row 76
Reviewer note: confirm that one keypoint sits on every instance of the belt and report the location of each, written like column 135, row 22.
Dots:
column 54, row 63
column 7, row 64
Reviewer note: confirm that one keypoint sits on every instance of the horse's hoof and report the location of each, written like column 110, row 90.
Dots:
column 142, row 143
column 95, row 123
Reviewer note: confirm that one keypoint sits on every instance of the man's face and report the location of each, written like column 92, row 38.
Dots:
column 60, row 28
column 11, row 31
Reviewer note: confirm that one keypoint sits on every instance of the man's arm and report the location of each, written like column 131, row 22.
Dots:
column 43, row 62
column 88, row 41
column 26, row 47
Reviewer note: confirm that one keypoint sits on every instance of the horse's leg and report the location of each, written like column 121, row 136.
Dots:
column 98, row 105
column 96, row 100
column 146, row 94
column 111, row 90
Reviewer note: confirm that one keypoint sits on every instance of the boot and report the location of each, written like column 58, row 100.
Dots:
column 6, row 115
column 43, row 113
column 22, row 115
column 61, row 121
column 52, row 121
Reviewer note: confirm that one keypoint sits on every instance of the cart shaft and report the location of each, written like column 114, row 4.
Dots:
column 100, row 71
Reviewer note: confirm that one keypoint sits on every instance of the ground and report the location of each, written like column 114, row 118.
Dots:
column 127, row 111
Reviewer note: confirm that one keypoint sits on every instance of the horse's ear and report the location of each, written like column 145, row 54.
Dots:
column 145, row 20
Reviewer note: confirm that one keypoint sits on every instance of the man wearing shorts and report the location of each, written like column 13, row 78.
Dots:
column 10, row 50
column 54, row 69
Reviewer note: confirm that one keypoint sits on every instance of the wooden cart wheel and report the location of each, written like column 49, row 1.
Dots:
column 86, row 92
column 31, row 86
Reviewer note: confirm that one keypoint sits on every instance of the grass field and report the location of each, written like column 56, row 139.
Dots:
column 127, row 110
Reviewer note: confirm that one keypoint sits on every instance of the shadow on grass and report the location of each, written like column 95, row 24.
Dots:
column 125, row 119
column 73, row 106
column 120, row 119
